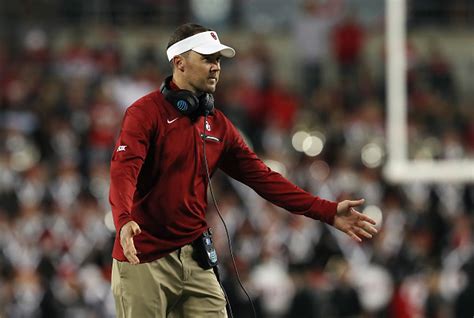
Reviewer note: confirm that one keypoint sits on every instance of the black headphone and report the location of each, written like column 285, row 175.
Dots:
column 186, row 102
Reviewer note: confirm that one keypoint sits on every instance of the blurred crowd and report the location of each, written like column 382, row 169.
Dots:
column 60, row 111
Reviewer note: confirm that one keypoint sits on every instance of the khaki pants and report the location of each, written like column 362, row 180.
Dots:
column 173, row 286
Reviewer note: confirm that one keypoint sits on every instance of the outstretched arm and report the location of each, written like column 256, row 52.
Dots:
column 352, row 222
column 241, row 163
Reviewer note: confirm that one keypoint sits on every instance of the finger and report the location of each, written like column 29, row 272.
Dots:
column 363, row 218
column 129, row 246
column 363, row 232
column 136, row 230
column 372, row 230
column 367, row 227
column 367, row 219
column 353, row 203
column 354, row 236
column 133, row 259
column 124, row 240
column 131, row 253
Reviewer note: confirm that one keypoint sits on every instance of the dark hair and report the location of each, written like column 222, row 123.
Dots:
column 185, row 31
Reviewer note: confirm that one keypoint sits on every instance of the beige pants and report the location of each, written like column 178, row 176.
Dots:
column 173, row 286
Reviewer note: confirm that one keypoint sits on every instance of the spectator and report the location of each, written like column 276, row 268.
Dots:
column 312, row 29
column 348, row 43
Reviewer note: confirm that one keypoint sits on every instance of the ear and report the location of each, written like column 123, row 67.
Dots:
column 179, row 62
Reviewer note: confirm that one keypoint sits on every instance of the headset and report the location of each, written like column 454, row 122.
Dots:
column 186, row 102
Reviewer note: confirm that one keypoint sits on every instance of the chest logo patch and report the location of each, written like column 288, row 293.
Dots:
column 208, row 126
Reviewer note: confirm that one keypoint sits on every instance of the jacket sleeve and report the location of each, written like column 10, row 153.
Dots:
column 242, row 164
column 128, row 156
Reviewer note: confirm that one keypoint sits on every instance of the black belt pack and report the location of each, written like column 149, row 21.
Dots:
column 204, row 251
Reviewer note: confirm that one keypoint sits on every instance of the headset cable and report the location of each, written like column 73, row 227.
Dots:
column 204, row 135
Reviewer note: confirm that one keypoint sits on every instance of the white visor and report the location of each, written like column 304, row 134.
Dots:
column 203, row 43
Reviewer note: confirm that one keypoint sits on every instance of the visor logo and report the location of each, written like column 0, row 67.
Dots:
column 214, row 36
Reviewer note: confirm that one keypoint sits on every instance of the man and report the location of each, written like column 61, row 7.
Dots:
column 159, row 184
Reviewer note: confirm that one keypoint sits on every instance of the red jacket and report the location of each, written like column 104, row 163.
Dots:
column 158, row 176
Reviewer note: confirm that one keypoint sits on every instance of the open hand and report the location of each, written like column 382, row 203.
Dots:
column 353, row 223
column 128, row 231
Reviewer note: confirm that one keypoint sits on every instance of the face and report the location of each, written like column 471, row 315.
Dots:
column 201, row 72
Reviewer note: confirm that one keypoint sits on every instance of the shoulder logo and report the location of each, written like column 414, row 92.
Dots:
column 121, row 148
column 169, row 121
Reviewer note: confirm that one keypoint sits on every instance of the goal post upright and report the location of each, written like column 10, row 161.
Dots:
column 399, row 168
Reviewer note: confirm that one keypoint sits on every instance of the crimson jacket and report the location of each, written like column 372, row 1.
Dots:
column 158, row 176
